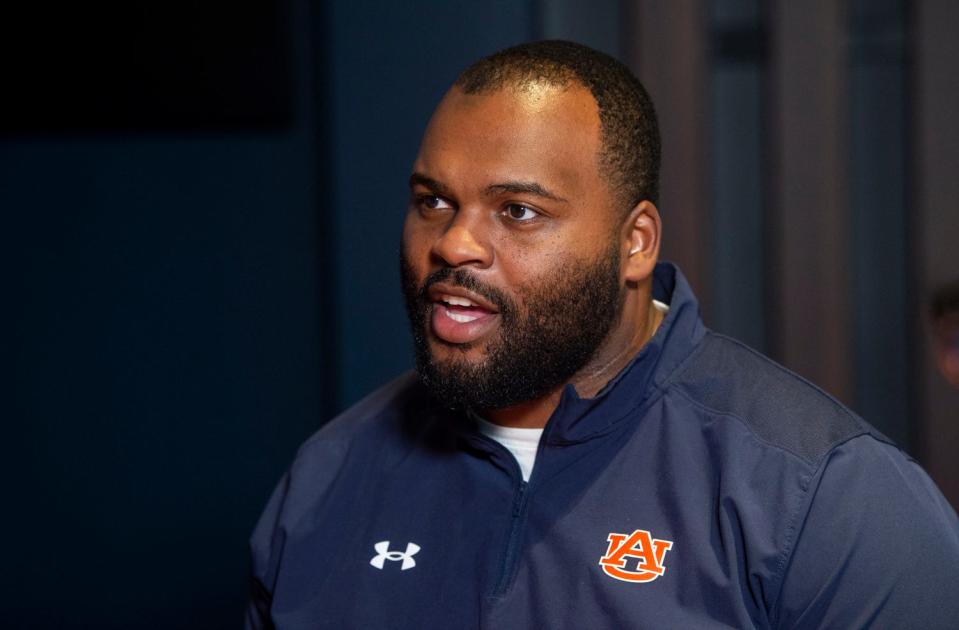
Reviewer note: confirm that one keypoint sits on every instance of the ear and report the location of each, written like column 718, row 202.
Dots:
column 641, row 234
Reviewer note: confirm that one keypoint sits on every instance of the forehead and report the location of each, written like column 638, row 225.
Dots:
column 543, row 133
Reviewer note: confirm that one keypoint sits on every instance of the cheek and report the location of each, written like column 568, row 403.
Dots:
column 542, row 257
column 416, row 243
column 526, row 276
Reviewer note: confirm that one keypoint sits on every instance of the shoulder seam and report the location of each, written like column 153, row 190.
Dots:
column 745, row 424
column 787, row 372
column 829, row 402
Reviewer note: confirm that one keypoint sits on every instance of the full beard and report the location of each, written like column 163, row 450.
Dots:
column 566, row 317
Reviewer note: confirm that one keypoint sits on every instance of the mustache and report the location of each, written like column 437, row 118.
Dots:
column 463, row 278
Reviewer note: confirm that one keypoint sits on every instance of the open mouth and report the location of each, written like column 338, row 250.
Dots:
column 462, row 310
column 459, row 316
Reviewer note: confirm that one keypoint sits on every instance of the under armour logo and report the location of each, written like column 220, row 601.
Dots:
column 641, row 546
column 383, row 554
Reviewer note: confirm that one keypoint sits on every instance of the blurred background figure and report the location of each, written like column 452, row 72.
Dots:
column 945, row 323
column 201, row 206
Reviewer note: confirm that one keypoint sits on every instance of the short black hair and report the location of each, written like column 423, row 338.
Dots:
column 630, row 156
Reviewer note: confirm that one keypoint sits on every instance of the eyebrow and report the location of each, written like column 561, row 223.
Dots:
column 429, row 182
column 529, row 188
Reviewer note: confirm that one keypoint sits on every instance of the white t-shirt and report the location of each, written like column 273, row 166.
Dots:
column 523, row 443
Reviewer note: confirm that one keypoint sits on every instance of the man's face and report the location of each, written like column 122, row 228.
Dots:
column 511, row 255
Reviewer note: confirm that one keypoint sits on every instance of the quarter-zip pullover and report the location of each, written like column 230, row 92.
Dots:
column 705, row 486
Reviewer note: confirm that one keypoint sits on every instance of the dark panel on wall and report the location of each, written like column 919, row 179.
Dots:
column 163, row 320
column 880, row 216
column 94, row 66
column 738, row 270
column 595, row 24
column 164, row 335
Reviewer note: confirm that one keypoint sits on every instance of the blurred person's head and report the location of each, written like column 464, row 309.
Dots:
column 945, row 321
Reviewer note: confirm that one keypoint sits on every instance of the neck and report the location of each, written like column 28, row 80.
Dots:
column 636, row 326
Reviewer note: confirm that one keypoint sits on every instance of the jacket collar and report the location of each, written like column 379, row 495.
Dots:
column 579, row 419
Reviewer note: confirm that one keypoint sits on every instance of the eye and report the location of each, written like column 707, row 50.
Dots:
column 519, row 212
column 432, row 202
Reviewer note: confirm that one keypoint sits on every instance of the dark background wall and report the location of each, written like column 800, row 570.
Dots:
column 201, row 215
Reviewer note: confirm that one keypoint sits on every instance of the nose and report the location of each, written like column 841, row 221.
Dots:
column 463, row 242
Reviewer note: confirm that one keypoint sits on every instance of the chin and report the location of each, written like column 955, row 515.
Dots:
column 473, row 352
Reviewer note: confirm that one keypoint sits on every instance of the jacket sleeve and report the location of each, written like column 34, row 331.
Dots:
column 877, row 546
column 266, row 540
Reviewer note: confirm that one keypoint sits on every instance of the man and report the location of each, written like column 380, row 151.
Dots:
column 578, row 450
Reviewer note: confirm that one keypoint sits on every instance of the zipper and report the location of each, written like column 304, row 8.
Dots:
column 517, row 523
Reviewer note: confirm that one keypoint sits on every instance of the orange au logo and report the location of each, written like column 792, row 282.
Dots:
column 636, row 557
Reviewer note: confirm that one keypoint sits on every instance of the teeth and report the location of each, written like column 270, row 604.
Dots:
column 457, row 301
column 463, row 319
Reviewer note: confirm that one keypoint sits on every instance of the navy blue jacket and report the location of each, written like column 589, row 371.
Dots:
column 704, row 487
